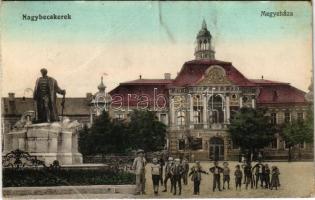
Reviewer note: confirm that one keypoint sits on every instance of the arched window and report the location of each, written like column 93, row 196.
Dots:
column 181, row 118
column 216, row 109
column 205, row 44
column 197, row 115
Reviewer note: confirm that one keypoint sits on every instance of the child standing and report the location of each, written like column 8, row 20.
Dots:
column 248, row 174
column 274, row 178
column 226, row 175
column 238, row 177
column 216, row 171
column 155, row 171
column 195, row 174
column 267, row 176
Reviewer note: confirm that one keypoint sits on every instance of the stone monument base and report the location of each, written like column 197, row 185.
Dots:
column 47, row 141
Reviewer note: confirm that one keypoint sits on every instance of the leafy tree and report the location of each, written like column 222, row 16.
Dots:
column 298, row 132
column 309, row 121
column 83, row 141
column 103, row 137
column 145, row 131
column 251, row 130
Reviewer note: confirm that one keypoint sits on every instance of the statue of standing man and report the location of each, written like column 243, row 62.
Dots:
column 45, row 95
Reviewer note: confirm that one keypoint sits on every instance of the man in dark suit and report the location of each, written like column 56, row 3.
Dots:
column 216, row 171
column 259, row 169
column 177, row 171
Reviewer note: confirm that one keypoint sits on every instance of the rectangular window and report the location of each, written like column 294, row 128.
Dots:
column 196, row 144
column 197, row 115
column 181, row 118
column 280, row 118
column 300, row 116
column 181, row 144
column 287, row 117
column 273, row 117
column 163, row 118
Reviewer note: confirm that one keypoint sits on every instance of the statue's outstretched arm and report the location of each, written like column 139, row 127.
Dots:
column 58, row 90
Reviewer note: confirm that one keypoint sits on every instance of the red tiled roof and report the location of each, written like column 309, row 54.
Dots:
column 271, row 92
column 129, row 94
column 193, row 71
column 148, row 82
column 280, row 94
column 266, row 82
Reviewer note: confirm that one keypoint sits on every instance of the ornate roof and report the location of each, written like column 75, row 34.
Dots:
column 193, row 71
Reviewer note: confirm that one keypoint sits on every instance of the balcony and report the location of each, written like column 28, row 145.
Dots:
column 200, row 126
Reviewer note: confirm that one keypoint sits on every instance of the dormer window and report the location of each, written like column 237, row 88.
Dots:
column 275, row 95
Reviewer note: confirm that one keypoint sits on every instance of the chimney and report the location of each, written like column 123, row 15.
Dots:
column 140, row 76
column 167, row 76
column 11, row 96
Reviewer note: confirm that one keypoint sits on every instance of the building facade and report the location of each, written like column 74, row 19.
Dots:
column 202, row 99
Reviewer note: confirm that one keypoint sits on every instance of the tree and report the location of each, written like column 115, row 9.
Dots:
column 116, row 136
column 145, row 131
column 251, row 130
column 103, row 137
column 298, row 132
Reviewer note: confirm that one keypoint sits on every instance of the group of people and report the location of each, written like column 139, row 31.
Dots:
column 261, row 173
column 178, row 171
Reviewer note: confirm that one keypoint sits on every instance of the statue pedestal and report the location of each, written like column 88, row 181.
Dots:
column 47, row 141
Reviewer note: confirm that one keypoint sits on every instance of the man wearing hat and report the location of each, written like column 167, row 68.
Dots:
column 168, row 174
column 186, row 170
column 177, row 171
column 139, row 167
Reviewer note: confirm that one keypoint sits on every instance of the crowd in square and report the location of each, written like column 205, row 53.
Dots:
column 177, row 171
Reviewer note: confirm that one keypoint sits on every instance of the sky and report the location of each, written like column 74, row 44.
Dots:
column 121, row 40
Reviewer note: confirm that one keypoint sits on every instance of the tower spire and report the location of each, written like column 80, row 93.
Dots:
column 204, row 24
column 101, row 87
column 204, row 48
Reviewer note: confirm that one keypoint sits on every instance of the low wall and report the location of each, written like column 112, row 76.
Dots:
column 58, row 190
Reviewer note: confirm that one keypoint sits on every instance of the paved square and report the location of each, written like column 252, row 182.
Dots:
column 296, row 178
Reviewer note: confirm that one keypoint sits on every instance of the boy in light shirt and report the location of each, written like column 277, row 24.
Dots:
column 155, row 171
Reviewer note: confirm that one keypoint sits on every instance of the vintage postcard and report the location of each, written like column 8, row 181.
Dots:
column 156, row 99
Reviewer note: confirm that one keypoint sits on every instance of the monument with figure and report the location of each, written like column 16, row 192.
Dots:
column 45, row 95
column 43, row 133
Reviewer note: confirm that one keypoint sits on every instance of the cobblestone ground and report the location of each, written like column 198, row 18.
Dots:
column 296, row 178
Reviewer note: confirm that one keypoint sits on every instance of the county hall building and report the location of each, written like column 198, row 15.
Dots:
column 197, row 105
column 202, row 99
